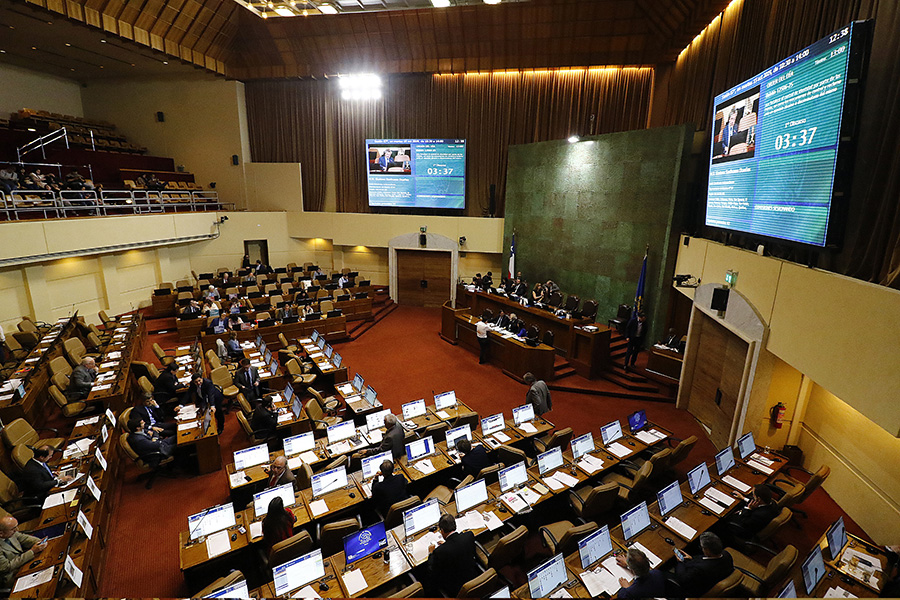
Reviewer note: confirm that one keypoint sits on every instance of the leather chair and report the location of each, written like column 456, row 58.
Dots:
column 444, row 494
column 501, row 551
column 572, row 304
column 413, row 590
column 806, row 489
column 437, row 431
column 490, row 474
column 588, row 310
column 328, row 405
column 298, row 377
column 725, row 588
column 394, row 516
column 150, row 464
column 26, row 339
column 340, row 461
column 789, row 498
column 245, row 405
column 164, row 359
column 255, row 437
column 681, row 451
column 549, row 338
column 95, row 343
column 263, row 316
column 221, row 582
column 28, row 326
column 759, row 581
column 145, row 385
column 124, row 417
column 661, row 460
column 563, row 536
column 15, row 503
column 59, row 364
column 623, row 315
column 19, row 431
column 325, row 306
column 331, row 535
column 560, row 438
column 593, row 502
column 632, row 489
column 510, row 455
column 304, row 477
column 480, row 587
column 222, row 378
column 104, row 318
column 69, row 409
column 467, row 418
column 556, row 299
column 60, row 381
column 21, row 454
column 76, row 351
column 15, row 349
column 294, row 547
column 320, row 421
column 39, row 326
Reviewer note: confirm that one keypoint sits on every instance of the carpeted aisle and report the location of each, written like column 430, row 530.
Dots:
column 404, row 359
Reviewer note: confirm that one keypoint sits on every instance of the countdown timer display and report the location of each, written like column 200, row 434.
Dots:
column 775, row 145
column 417, row 173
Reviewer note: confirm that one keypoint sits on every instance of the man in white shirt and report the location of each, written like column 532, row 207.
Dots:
column 481, row 332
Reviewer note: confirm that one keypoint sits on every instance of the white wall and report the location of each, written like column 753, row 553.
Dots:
column 21, row 88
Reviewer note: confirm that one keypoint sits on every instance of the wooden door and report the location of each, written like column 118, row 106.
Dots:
column 417, row 266
column 718, row 371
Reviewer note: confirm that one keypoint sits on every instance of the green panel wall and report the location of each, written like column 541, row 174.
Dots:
column 584, row 213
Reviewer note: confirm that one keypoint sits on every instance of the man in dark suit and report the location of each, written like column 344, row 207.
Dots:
column 697, row 575
column 205, row 394
column 150, row 412
column 759, row 511
column 146, row 442
column 81, row 380
column 264, row 420
column 538, row 394
column 393, row 439
column 452, row 563
column 634, row 332
column 388, row 488
column 167, row 385
column 473, row 459
column 502, row 320
column 279, row 474
column 247, row 380
column 520, row 288
column 37, row 479
column 647, row 582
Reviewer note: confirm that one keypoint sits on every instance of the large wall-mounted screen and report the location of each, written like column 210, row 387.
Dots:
column 417, row 174
column 775, row 144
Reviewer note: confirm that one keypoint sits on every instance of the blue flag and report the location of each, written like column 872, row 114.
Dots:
column 639, row 293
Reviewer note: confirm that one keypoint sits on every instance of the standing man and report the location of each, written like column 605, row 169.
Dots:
column 247, row 380
column 481, row 332
column 205, row 395
column 634, row 332
column 538, row 394
column 16, row 549
column 82, row 379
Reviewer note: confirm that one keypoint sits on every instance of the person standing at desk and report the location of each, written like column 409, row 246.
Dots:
column 538, row 394
column 247, row 380
column 16, row 549
column 481, row 332
column 452, row 563
column 634, row 332
column 205, row 394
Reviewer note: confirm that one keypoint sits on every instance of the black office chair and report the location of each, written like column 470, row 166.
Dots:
column 623, row 315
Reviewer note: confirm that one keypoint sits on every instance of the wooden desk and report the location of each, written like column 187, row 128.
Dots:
column 450, row 414
column 573, row 562
column 439, row 461
column 376, row 571
column 298, row 509
column 164, row 306
column 209, row 456
column 589, row 354
column 333, row 328
column 653, row 540
column 665, row 362
column 690, row 514
column 573, row 586
column 832, row 577
column 198, row 568
column 494, row 490
column 513, row 356
column 543, row 426
column 579, row 474
column 337, row 501
column 334, row 589
column 686, row 492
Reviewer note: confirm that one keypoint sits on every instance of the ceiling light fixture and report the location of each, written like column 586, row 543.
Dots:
column 573, row 139
column 327, row 9
column 492, row 1
column 440, row 3
column 284, row 12
column 364, row 86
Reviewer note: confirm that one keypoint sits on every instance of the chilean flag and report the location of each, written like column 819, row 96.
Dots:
column 512, row 258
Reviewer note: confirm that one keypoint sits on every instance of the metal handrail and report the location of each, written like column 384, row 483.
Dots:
column 41, row 142
column 105, row 202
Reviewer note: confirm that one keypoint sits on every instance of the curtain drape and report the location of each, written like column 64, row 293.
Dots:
column 752, row 35
column 490, row 111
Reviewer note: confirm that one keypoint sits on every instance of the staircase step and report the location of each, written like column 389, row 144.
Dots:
column 629, row 384
column 564, row 372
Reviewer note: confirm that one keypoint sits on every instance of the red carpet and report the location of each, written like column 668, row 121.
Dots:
column 403, row 358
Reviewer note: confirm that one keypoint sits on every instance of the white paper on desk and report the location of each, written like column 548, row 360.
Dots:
column 654, row 559
column 599, row 580
column 306, row 592
column 590, row 463
column 256, row 530
column 88, row 421
column 553, row 484
column 305, row 340
column 218, row 543
column 318, row 507
column 31, row 360
column 354, row 581
column 309, row 457
column 86, row 526
column 618, row 572
column 316, row 355
column 720, row 496
column 59, row 498
column 187, row 412
column 514, row 502
column 339, row 448
column 565, row 479
column 26, row 582
column 762, row 459
column 185, row 379
column 419, row 549
column 367, row 488
column 659, row 434
column 237, row 479
column 425, row 467
column 110, row 416
column 713, row 506
column 186, row 426
column 375, row 436
column 113, row 355
column 502, row 437
column 473, row 520
column 255, row 354
column 184, row 348
column 100, row 388
column 874, row 563
column 760, row 467
column 443, row 414
column 326, row 365
column 736, row 483
column 257, row 364
column 285, row 417
column 73, row 480
column 294, row 462
column 492, row 521
column 646, row 437
column 838, row 592
column 618, row 449
column 73, row 572
column 681, row 528
column 528, row 428
column 528, row 495
column 561, row 593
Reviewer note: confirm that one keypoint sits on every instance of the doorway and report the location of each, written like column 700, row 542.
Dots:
column 423, row 277
column 257, row 250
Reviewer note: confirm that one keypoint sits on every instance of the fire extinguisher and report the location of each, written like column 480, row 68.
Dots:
column 776, row 415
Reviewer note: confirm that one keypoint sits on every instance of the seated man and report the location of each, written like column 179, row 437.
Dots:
column 81, row 380
column 264, row 419
column 388, row 488
column 473, row 459
column 37, row 479
column 16, row 549
column 452, row 563
column 234, row 347
column 192, row 309
column 246, row 378
column 152, row 414
column 393, row 440
column 697, row 575
column 168, row 387
column 146, row 443
column 759, row 511
column 279, row 474
column 647, row 582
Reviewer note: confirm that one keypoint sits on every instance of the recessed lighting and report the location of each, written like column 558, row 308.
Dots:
column 2, row 51
column 492, row 1
column 284, row 12
column 440, row 3
column 34, row 48
column 327, row 9
column 165, row 62
column 102, row 41
column 101, row 66
column 32, row 129
column 132, row 64
column 264, row 15
column 71, row 69
column 573, row 139
column 68, row 45
column 305, row 13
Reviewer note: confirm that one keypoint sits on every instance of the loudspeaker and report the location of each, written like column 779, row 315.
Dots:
column 235, row 160
column 160, row 116
column 720, row 299
column 492, row 199
column 423, row 239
